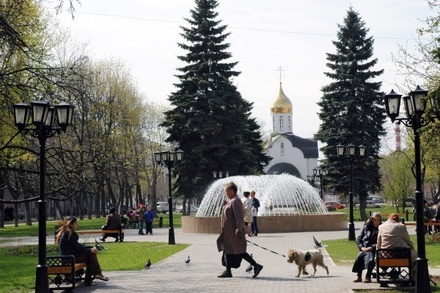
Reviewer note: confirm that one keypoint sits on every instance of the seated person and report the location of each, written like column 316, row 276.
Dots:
column 366, row 243
column 393, row 234
column 113, row 223
column 69, row 245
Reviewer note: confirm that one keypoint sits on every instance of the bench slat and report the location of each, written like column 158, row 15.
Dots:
column 97, row 232
column 59, row 270
column 393, row 262
column 80, row 265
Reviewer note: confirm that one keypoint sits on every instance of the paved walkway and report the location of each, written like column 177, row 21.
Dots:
column 173, row 275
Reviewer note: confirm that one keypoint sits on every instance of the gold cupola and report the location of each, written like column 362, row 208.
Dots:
column 282, row 103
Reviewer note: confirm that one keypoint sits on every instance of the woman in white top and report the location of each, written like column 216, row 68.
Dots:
column 247, row 205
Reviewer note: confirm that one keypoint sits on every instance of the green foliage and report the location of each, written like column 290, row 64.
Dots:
column 397, row 179
column 210, row 121
column 352, row 109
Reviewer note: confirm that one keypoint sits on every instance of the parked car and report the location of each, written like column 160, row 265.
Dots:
column 334, row 204
column 370, row 204
column 162, row 207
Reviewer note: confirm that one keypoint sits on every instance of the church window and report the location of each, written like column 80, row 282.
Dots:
column 288, row 122
column 281, row 123
column 273, row 123
column 282, row 149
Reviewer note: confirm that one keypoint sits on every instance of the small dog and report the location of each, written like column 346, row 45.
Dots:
column 303, row 258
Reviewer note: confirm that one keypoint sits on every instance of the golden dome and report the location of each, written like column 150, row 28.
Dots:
column 282, row 103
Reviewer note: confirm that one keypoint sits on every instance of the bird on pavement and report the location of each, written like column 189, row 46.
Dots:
column 317, row 243
column 98, row 246
column 188, row 260
column 148, row 264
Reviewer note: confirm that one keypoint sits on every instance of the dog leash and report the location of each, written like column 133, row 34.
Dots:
column 265, row 248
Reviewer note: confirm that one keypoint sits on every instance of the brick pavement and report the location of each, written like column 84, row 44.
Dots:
column 173, row 275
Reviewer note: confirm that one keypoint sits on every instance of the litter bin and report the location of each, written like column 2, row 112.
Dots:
column 160, row 222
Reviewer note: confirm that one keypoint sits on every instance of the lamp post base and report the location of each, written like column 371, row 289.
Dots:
column 351, row 233
column 171, row 236
column 423, row 284
column 41, row 282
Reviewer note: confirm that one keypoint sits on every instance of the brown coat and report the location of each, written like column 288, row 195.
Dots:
column 113, row 222
column 232, row 219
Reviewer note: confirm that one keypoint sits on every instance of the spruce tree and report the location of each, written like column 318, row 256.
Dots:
column 352, row 109
column 209, row 119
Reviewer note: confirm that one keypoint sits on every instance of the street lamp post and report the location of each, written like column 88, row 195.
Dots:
column 350, row 152
column 319, row 172
column 415, row 105
column 169, row 159
column 47, row 120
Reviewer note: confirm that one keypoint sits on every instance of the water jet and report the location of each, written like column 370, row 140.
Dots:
column 287, row 204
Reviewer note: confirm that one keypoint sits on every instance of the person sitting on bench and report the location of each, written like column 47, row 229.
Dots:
column 393, row 234
column 113, row 223
column 69, row 245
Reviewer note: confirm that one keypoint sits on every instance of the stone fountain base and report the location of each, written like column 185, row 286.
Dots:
column 272, row 224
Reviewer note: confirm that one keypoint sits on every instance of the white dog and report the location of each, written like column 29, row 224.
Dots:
column 303, row 258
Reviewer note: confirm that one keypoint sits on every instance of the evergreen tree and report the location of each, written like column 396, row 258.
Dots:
column 352, row 109
column 210, row 121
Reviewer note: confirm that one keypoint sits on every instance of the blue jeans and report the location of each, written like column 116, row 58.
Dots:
column 141, row 227
column 254, row 226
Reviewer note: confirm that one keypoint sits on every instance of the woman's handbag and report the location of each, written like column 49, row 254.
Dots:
column 220, row 243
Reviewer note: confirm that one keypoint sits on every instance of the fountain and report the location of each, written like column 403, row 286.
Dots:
column 287, row 204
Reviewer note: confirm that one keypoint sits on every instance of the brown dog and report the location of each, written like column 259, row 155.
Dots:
column 303, row 258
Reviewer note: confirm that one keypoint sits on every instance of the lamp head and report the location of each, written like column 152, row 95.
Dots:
column 392, row 105
column 21, row 115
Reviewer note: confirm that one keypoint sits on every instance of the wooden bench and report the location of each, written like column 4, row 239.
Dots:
column 393, row 266
column 63, row 272
column 119, row 232
column 158, row 222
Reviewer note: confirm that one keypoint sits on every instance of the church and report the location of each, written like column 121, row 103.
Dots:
column 290, row 153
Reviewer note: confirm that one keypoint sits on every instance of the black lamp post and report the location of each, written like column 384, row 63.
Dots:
column 169, row 159
column 415, row 105
column 319, row 172
column 47, row 120
column 350, row 153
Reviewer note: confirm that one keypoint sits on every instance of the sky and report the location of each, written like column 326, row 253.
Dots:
column 293, row 35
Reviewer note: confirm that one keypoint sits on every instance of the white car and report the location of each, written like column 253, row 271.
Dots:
column 162, row 207
column 370, row 204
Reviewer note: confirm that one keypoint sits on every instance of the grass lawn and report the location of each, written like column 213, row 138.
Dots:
column 24, row 259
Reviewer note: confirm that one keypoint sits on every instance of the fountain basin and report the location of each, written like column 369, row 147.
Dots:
column 272, row 224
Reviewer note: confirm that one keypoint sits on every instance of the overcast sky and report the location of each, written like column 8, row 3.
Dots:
column 265, row 35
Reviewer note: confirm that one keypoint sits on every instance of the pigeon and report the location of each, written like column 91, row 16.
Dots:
column 148, row 264
column 188, row 260
column 98, row 246
column 317, row 243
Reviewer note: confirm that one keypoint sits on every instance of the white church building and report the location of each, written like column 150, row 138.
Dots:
column 290, row 153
